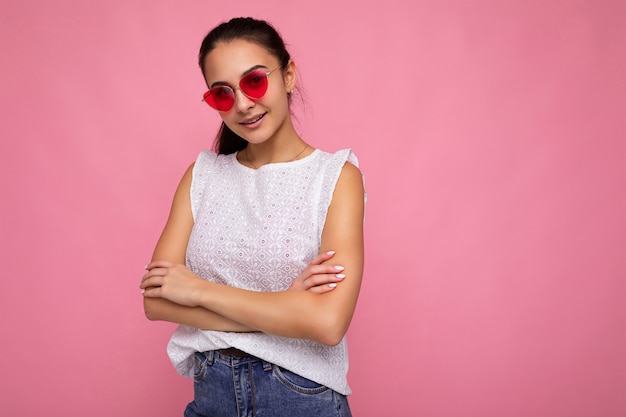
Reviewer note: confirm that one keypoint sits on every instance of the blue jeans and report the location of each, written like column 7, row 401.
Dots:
column 226, row 386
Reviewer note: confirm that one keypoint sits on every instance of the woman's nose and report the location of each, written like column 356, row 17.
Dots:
column 242, row 101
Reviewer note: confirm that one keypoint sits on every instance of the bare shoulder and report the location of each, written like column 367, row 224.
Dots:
column 351, row 169
column 172, row 244
column 188, row 175
column 346, row 211
column 350, row 183
column 182, row 199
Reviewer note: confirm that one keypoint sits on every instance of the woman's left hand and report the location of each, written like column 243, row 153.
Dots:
column 173, row 282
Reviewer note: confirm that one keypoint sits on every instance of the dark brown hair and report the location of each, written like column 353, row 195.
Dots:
column 252, row 30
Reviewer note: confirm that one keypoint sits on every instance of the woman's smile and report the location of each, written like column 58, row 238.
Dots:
column 253, row 121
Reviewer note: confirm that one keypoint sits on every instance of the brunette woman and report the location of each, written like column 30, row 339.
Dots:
column 261, row 259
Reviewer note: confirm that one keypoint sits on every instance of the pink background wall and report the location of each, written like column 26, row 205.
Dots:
column 492, row 137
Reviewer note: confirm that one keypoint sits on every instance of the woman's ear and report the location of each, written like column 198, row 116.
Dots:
column 289, row 76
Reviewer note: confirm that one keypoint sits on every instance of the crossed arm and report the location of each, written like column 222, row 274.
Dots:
column 310, row 309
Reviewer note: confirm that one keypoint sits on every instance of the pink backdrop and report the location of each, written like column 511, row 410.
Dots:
column 492, row 137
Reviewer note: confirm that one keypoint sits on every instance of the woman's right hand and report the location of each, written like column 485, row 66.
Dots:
column 317, row 277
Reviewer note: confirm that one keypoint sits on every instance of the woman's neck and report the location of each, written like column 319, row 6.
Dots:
column 271, row 152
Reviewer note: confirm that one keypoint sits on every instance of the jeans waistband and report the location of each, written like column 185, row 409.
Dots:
column 232, row 357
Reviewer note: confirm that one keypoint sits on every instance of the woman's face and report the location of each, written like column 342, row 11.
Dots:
column 254, row 120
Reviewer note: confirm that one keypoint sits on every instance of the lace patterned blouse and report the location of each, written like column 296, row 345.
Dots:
column 258, row 230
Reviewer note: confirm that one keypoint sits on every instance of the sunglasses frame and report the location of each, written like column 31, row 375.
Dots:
column 233, row 89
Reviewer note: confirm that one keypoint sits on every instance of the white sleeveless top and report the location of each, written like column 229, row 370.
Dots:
column 258, row 230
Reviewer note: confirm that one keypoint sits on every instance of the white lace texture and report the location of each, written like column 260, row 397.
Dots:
column 258, row 230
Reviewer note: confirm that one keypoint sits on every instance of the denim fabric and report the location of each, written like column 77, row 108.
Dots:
column 227, row 386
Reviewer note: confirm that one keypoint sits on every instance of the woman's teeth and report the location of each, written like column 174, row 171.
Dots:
column 256, row 119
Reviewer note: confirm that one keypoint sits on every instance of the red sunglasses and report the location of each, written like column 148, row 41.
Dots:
column 253, row 85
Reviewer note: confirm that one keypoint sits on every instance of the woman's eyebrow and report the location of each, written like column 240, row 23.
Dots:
column 254, row 68
column 246, row 72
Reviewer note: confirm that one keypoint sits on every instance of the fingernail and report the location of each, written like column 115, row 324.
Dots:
column 341, row 276
column 330, row 252
column 332, row 285
column 339, row 268
column 145, row 266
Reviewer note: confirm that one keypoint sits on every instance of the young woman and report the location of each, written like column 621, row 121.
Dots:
column 261, row 259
